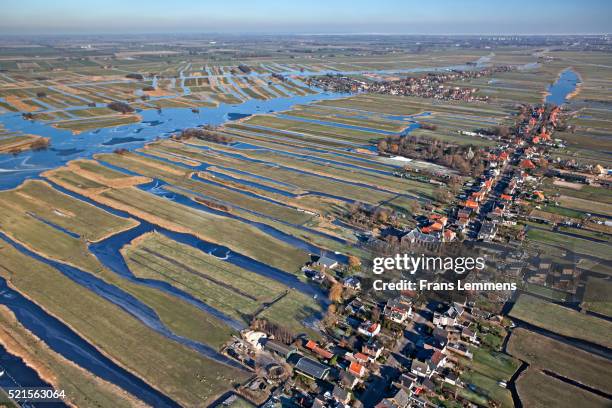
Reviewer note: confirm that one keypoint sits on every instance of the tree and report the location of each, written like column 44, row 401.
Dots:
column 354, row 262
column 335, row 292
column 376, row 314
column 382, row 146
column 442, row 195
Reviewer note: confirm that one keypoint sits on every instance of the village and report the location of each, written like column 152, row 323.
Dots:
column 430, row 85
column 411, row 349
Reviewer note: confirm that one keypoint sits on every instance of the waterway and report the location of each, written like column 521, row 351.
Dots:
column 16, row 374
column 566, row 84
column 69, row 344
column 67, row 146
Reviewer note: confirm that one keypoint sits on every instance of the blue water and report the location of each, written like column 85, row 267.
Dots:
column 66, row 342
column 122, row 299
column 565, row 84
column 17, row 375
column 66, row 146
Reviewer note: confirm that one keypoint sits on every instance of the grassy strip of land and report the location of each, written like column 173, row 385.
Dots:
column 562, row 320
column 227, row 287
column 20, row 143
column 494, row 364
column 538, row 390
column 81, row 125
column 37, row 198
column 578, row 245
column 187, row 376
column 570, row 362
column 598, row 296
column 82, row 388
column 549, row 293
column 488, row 388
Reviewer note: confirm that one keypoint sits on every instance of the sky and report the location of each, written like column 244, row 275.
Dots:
column 306, row 17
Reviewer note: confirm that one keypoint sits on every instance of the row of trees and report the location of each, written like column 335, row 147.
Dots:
column 121, row 107
column 465, row 159
column 204, row 134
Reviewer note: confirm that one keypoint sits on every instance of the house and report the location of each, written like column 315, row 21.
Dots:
column 369, row 329
column 356, row 307
column 420, row 368
column 459, row 348
column 341, row 395
column 401, row 399
column 439, row 337
column 527, row 164
column 418, row 236
column 469, row 335
column 326, row 263
column 449, row 235
column 319, row 403
column 438, row 359
column 471, row 204
column 449, row 377
column 448, row 317
column 408, row 381
column 312, row 369
column 361, row 358
column 398, row 309
column 373, row 349
column 487, row 232
column 357, row 369
column 319, row 351
column 353, row 283
column 348, row 380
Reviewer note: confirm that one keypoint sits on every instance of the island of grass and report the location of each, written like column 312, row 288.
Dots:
column 598, row 296
column 230, row 289
column 538, row 390
column 81, row 387
column 17, row 143
column 567, row 361
column 562, row 320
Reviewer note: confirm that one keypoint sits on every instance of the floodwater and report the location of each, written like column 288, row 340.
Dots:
column 65, row 147
column 563, row 87
column 69, row 344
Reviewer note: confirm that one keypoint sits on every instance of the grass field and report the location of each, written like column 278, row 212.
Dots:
column 499, row 366
column 228, row 288
column 545, row 353
column 598, row 296
column 81, row 125
column 39, row 199
column 574, row 244
column 538, row 390
column 562, row 320
column 125, row 339
column 549, row 293
column 488, row 388
column 82, row 388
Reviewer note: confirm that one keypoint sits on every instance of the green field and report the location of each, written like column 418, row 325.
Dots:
column 562, row 320
column 547, row 354
column 598, row 296
column 81, row 387
column 106, row 328
column 538, row 390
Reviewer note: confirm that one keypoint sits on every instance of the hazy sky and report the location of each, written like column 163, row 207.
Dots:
column 313, row 16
